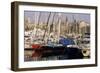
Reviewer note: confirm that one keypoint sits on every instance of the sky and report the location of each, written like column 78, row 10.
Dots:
column 42, row 16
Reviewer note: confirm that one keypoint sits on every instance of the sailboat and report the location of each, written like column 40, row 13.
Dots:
column 53, row 44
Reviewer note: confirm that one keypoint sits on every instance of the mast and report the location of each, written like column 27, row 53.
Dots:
column 46, row 26
column 67, row 24
column 35, row 29
column 59, row 25
column 37, row 23
column 49, row 25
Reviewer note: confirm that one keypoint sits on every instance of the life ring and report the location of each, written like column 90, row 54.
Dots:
column 86, row 52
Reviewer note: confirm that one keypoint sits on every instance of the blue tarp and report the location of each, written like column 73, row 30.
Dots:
column 63, row 41
column 66, row 41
